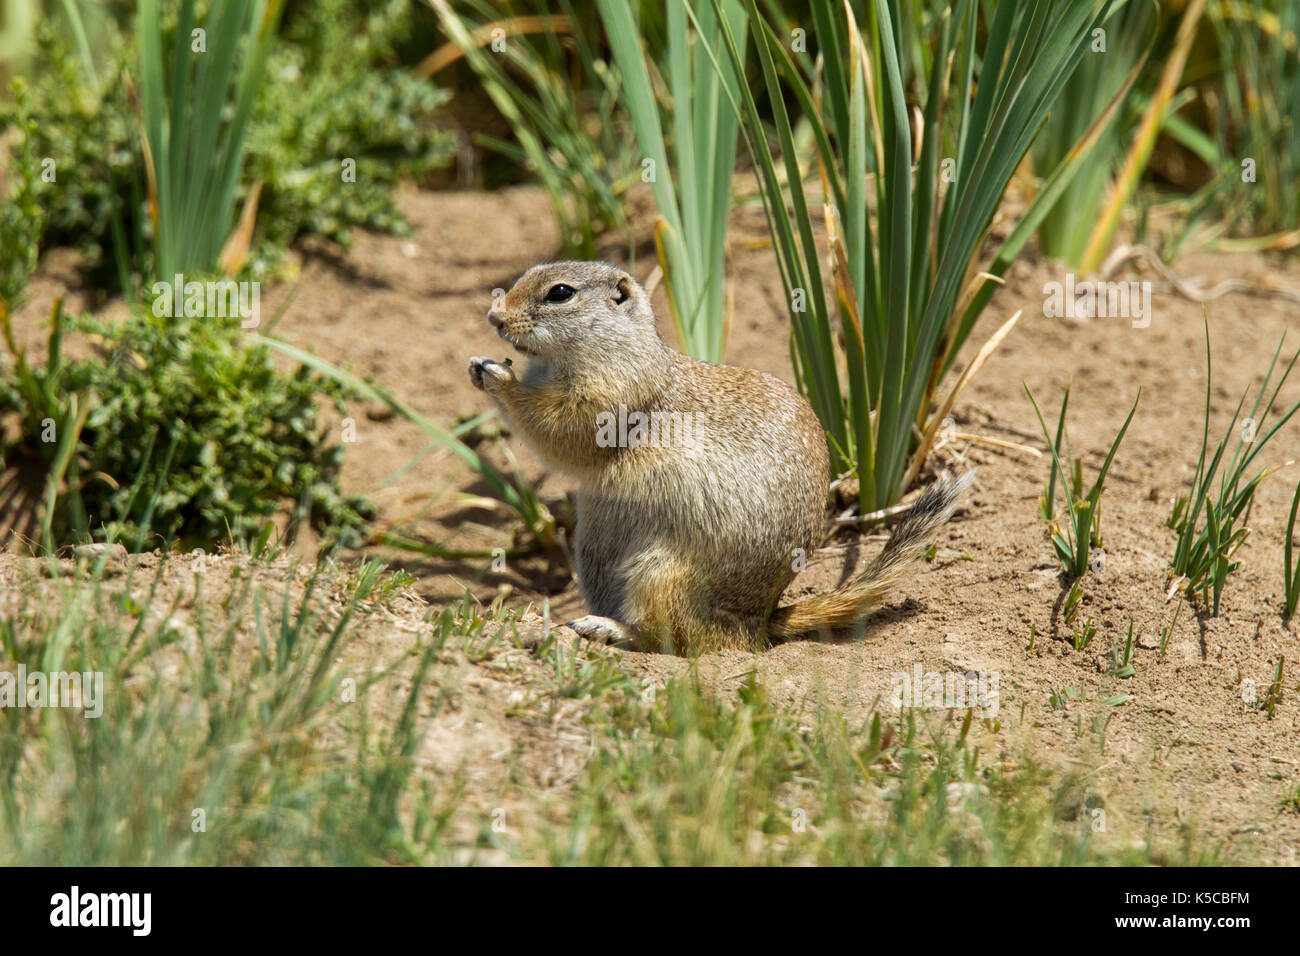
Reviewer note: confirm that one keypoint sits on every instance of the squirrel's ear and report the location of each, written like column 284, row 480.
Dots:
column 622, row 288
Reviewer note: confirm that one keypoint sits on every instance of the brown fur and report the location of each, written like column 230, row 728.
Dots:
column 684, row 545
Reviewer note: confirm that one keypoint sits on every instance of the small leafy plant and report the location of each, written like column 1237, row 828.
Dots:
column 1082, row 530
column 1059, row 697
column 1072, row 599
column 1274, row 695
column 1120, row 658
column 332, row 94
column 1083, row 636
column 88, row 127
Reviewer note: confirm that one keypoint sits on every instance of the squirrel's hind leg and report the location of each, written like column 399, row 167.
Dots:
column 653, row 600
column 666, row 607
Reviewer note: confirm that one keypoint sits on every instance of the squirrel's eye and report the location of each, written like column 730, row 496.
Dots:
column 560, row 293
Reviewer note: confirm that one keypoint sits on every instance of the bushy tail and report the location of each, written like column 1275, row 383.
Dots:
column 855, row 599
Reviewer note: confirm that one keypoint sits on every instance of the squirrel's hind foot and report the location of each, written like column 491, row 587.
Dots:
column 604, row 629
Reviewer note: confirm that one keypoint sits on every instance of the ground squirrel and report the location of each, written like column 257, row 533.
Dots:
column 702, row 486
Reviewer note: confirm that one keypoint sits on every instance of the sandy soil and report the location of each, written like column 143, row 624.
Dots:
column 1182, row 750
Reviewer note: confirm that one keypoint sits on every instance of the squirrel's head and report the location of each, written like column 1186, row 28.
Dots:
column 566, row 311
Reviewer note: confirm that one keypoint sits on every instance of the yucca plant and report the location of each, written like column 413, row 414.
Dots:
column 1112, row 56
column 909, row 280
column 1156, row 113
column 688, row 146
column 1211, row 525
column 196, row 99
column 566, row 132
column 1081, row 530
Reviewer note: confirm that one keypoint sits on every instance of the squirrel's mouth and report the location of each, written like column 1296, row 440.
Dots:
column 519, row 346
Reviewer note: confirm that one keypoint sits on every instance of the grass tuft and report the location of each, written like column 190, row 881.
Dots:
column 1082, row 529
column 1211, row 524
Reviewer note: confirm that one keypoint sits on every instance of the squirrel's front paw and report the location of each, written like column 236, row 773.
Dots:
column 487, row 374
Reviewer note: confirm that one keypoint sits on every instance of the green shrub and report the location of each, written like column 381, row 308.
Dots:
column 184, row 419
column 332, row 93
column 312, row 122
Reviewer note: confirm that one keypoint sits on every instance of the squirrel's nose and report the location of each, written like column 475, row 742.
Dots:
column 494, row 318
